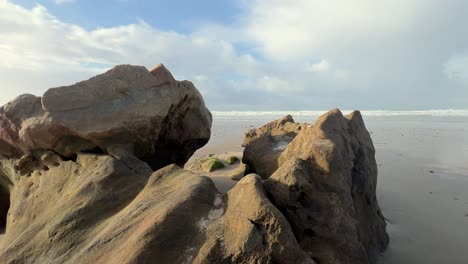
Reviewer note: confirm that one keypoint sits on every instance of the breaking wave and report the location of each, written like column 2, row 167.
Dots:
column 368, row 113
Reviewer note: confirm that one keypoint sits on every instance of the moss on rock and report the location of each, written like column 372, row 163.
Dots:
column 232, row 160
column 211, row 164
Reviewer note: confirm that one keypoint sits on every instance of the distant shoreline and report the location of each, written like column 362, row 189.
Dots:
column 314, row 113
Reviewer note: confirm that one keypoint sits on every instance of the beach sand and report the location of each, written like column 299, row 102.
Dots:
column 422, row 184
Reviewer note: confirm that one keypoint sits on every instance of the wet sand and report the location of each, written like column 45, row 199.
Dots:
column 422, row 185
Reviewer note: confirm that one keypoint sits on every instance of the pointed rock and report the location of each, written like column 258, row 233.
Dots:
column 163, row 75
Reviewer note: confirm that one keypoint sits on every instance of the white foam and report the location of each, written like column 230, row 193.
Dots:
column 260, row 114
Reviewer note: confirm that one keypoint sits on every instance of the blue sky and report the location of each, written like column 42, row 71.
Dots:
column 178, row 15
column 249, row 55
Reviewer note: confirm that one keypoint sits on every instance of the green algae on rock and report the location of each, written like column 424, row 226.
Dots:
column 211, row 164
column 232, row 160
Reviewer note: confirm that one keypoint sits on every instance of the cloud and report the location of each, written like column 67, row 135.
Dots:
column 320, row 66
column 293, row 28
column 59, row 2
column 300, row 54
column 39, row 51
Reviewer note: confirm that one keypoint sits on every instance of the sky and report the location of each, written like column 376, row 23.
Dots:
column 249, row 54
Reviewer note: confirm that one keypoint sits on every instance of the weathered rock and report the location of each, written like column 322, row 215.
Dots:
column 252, row 230
column 148, row 114
column 326, row 187
column 163, row 75
column 76, row 184
column 264, row 145
column 97, row 210
column 239, row 172
column 278, row 127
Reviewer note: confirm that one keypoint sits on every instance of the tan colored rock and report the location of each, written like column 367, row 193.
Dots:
column 98, row 210
column 239, row 172
column 326, row 186
column 147, row 114
column 280, row 127
column 252, row 230
column 264, row 145
column 77, row 182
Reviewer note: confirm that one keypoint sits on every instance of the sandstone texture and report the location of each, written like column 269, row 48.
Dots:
column 264, row 145
column 91, row 173
column 125, row 111
column 326, row 188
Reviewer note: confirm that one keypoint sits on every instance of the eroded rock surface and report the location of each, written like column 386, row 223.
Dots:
column 264, row 145
column 252, row 230
column 150, row 115
column 89, row 173
column 326, row 188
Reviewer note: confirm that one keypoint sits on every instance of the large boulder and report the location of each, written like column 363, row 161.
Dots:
column 252, row 230
column 127, row 111
column 98, row 210
column 326, row 187
column 264, row 145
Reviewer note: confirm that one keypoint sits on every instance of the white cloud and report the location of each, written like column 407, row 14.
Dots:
column 273, row 84
column 352, row 53
column 59, row 2
column 36, row 44
column 298, row 27
column 320, row 66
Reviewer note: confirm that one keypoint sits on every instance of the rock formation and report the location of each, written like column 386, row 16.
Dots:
column 264, row 145
column 127, row 111
column 326, row 188
column 89, row 173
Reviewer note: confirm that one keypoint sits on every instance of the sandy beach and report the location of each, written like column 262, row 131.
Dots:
column 422, row 184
